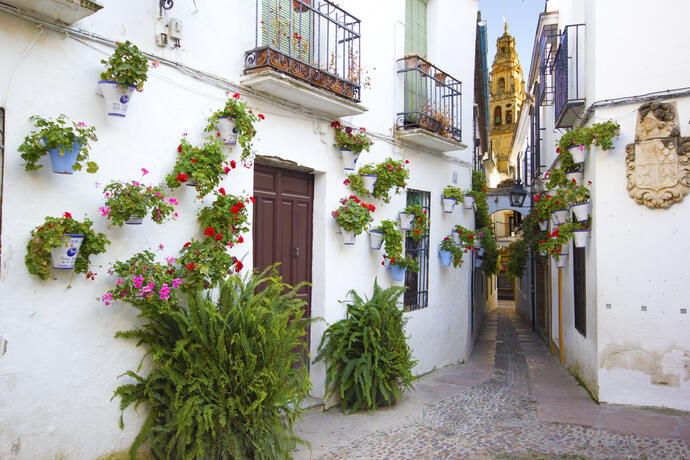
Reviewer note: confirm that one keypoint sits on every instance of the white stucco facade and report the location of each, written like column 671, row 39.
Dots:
column 60, row 361
column 635, row 349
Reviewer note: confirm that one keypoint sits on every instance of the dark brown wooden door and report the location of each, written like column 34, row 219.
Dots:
column 283, row 224
column 542, row 296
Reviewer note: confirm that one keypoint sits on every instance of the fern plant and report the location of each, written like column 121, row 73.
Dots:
column 227, row 377
column 368, row 361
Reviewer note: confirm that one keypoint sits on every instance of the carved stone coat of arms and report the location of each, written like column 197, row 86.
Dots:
column 658, row 163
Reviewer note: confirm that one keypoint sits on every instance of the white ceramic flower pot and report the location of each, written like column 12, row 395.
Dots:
column 581, row 210
column 349, row 159
column 348, row 237
column 375, row 240
column 468, row 201
column 448, row 204
column 64, row 256
column 560, row 260
column 227, row 130
column 116, row 97
column 578, row 153
column 456, row 237
column 134, row 220
column 369, row 181
column 581, row 238
column 577, row 177
column 406, row 221
column 543, row 225
column 559, row 216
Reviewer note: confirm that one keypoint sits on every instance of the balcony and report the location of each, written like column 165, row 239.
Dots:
column 431, row 116
column 547, row 51
column 61, row 11
column 306, row 52
column 568, row 74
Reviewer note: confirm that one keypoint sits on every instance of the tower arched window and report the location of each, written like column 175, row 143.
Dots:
column 501, row 84
column 497, row 116
column 509, row 116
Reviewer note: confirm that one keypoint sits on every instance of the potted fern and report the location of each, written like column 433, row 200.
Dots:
column 352, row 217
column 67, row 242
column 126, row 71
column 68, row 146
column 451, row 195
column 128, row 203
column 234, row 123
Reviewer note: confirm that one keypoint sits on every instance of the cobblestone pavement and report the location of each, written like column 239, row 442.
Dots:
column 526, row 406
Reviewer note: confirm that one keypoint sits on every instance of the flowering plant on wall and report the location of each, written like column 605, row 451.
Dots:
column 453, row 192
column 351, row 139
column 58, row 134
column 204, row 264
column 51, row 234
column 547, row 203
column 244, row 120
column 353, row 214
column 203, row 166
column 127, row 200
column 127, row 66
column 600, row 134
column 225, row 219
column 392, row 240
column 420, row 222
column 456, row 251
column 554, row 241
column 469, row 240
column 390, row 174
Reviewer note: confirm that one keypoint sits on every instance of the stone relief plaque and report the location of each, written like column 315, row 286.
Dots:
column 658, row 165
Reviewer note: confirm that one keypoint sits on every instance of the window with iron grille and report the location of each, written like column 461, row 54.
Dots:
column 417, row 293
column 580, row 290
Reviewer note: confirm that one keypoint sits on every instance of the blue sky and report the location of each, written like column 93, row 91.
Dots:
column 522, row 16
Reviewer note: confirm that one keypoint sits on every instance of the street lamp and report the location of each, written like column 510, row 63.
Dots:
column 517, row 195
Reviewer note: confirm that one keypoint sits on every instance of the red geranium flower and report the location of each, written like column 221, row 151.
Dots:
column 417, row 232
column 179, row 148
column 67, row 215
column 234, row 209
column 193, row 160
column 226, row 169
column 236, row 95
column 182, row 177
column 240, row 239
column 252, row 199
column 238, row 266
column 219, row 236
column 187, row 244
column 221, row 191
column 261, row 116
column 209, row 231
column 190, row 266
column 240, row 205
column 233, row 165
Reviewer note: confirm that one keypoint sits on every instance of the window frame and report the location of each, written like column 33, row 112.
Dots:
column 416, row 296
column 579, row 291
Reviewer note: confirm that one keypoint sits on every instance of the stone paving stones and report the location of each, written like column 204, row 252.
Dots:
column 500, row 418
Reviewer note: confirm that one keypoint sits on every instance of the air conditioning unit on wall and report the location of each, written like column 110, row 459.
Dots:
column 63, row 11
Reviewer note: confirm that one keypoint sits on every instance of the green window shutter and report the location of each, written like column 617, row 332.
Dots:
column 415, row 27
column 286, row 30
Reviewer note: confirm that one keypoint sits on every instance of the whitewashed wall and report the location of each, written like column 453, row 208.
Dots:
column 61, row 362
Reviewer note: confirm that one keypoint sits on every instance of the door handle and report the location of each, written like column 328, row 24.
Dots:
column 295, row 252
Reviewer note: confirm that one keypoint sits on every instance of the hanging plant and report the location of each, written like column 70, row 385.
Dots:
column 479, row 191
column 127, row 66
column 392, row 240
column 134, row 200
column 391, row 174
column 226, row 219
column 518, row 258
column 204, row 166
column 453, row 192
column 492, row 259
column 61, row 141
column 204, row 264
column 351, row 139
column 456, row 251
column 353, row 215
column 600, row 134
column 420, row 221
column 244, row 120
column 51, row 234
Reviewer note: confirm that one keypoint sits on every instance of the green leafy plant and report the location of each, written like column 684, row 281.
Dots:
column 227, row 377
column 406, row 263
column 456, row 251
column 481, row 216
column 531, row 232
column 392, row 240
column 204, row 264
column 555, row 241
column 347, row 138
column 391, row 174
column 136, row 200
column 127, row 66
column 353, row 215
column 244, row 119
column 48, row 134
column 600, row 134
column 203, row 166
column 368, row 360
column 453, row 192
column 468, row 238
column 548, row 203
column 491, row 257
column 518, row 258
column 51, row 234
column 576, row 194
column 226, row 219
column 420, row 221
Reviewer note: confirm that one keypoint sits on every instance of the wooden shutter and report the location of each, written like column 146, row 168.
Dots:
column 415, row 27
column 286, row 30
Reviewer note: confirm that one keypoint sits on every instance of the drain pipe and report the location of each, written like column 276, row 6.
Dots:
column 560, row 314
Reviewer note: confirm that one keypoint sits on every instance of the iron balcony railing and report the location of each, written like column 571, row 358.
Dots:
column 568, row 74
column 547, row 51
column 311, row 40
column 432, row 99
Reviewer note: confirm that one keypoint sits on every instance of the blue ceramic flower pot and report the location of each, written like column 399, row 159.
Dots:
column 62, row 164
column 398, row 273
column 446, row 257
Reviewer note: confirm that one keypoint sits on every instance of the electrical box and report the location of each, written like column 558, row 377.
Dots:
column 161, row 32
column 175, row 29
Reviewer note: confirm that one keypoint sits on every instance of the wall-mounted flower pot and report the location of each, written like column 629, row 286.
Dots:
column 543, row 225
column 446, row 257
column 348, row 237
column 406, row 220
column 468, row 201
column 191, row 182
column 62, row 164
column 64, row 256
column 581, row 238
column 299, row 7
column 375, row 239
column 448, row 204
column 579, row 152
column 397, row 272
column 576, row 176
column 349, row 159
column 116, row 97
column 559, row 216
column 456, row 238
column 134, row 220
column 369, row 181
column 560, row 260
column 227, row 130
column 581, row 210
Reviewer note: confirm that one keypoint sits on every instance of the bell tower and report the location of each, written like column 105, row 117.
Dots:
column 506, row 95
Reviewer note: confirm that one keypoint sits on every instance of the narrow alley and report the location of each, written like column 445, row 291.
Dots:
column 512, row 399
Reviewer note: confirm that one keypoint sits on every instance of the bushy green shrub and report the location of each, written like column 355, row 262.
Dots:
column 518, row 258
column 227, row 377
column 368, row 361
